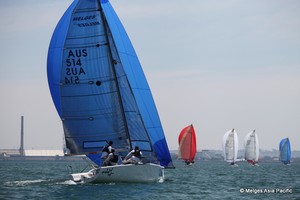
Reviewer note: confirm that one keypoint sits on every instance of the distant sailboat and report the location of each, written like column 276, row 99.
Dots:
column 187, row 144
column 285, row 151
column 230, row 146
column 251, row 148
column 101, row 94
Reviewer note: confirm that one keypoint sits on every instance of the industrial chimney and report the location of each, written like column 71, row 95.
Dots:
column 21, row 150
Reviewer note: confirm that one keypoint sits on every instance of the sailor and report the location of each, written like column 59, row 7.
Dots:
column 134, row 157
column 188, row 162
column 106, row 150
column 111, row 159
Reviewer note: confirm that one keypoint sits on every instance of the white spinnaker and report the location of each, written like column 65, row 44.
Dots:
column 230, row 146
column 251, row 146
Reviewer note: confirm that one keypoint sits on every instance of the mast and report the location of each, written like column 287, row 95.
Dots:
column 114, row 62
column 21, row 150
column 233, row 146
column 255, row 146
column 254, row 149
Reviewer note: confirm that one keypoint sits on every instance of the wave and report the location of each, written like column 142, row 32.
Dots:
column 25, row 182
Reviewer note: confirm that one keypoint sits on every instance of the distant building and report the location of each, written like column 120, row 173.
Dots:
column 16, row 153
column 44, row 153
column 21, row 152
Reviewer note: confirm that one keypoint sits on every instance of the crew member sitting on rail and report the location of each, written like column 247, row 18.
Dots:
column 133, row 157
column 112, row 159
column 106, row 150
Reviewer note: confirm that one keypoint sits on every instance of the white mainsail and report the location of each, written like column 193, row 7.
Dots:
column 251, row 147
column 230, row 146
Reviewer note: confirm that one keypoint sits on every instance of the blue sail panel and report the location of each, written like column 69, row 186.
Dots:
column 96, row 158
column 285, row 151
column 139, row 85
column 54, row 59
column 90, row 102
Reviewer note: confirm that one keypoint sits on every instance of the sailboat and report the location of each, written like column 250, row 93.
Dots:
column 230, row 146
column 285, row 151
column 187, row 144
column 251, row 148
column 101, row 94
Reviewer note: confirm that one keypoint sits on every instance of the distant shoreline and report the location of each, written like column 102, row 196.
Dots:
column 41, row 158
column 80, row 158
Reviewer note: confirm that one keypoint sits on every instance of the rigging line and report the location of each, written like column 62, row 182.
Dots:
column 86, row 10
column 85, row 137
column 105, row 26
column 89, row 81
column 138, row 111
column 88, row 95
column 152, row 121
column 140, row 88
column 98, row 112
column 137, row 140
column 153, row 127
column 85, row 46
column 85, row 37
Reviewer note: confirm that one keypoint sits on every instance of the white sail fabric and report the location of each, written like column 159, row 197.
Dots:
column 251, row 147
column 230, row 146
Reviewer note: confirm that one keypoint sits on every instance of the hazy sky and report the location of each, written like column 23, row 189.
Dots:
column 216, row 64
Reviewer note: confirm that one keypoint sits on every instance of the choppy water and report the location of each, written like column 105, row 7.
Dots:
column 204, row 180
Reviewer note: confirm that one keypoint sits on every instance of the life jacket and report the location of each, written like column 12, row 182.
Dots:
column 105, row 149
column 137, row 153
column 115, row 158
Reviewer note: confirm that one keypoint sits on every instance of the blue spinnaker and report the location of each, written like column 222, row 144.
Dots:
column 98, row 85
column 285, row 151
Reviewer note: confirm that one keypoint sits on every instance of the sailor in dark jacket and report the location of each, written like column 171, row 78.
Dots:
column 112, row 159
column 134, row 156
column 106, row 150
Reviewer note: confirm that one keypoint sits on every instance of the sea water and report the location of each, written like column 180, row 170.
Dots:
column 203, row 180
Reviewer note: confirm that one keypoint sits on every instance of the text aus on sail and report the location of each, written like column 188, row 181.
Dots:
column 74, row 67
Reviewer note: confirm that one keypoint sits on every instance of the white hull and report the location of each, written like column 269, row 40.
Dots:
column 121, row 173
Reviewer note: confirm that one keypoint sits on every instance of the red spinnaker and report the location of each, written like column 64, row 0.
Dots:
column 187, row 143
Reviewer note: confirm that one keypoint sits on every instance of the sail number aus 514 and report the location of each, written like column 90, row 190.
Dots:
column 74, row 69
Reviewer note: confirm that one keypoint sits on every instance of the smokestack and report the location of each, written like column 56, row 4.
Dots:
column 22, row 152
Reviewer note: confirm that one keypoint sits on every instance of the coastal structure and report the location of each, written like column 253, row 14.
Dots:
column 23, row 153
